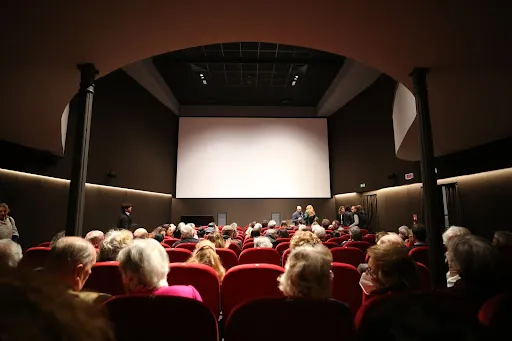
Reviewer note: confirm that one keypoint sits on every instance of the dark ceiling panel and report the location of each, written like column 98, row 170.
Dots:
column 249, row 73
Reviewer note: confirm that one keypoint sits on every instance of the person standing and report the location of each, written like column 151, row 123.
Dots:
column 125, row 220
column 297, row 216
column 309, row 215
column 8, row 228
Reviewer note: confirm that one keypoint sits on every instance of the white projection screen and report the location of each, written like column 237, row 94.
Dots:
column 220, row 157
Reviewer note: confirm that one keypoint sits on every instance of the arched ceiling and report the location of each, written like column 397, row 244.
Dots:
column 43, row 41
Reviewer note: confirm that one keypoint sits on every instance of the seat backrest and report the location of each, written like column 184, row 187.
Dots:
column 337, row 240
column 178, row 255
column 361, row 245
column 496, row 314
column 282, row 247
column 364, row 232
column 248, row 240
column 45, row 244
column 188, row 246
column 420, row 255
column 235, row 248
column 249, row 281
column 200, row 276
column 170, row 242
column 282, row 240
column 248, row 245
column 424, row 277
column 228, row 257
column 347, row 255
column 105, row 278
column 284, row 258
column 330, row 245
column 125, row 313
column 370, row 238
column 333, row 318
column 259, row 255
column 34, row 258
column 345, row 285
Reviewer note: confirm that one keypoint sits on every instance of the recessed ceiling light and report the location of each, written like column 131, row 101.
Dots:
column 204, row 81
column 296, row 77
column 294, row 82
column 201, row 75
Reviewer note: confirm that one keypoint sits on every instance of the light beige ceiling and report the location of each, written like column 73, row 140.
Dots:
column 43, row 41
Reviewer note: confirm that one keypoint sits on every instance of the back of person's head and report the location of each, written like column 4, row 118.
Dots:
column 201, row 232
column 264, row 223
column 282, row 233
column 355, row 233
column 257, row 226
column 325, row 223
column 125, row 206
column 217, row 239
column 419, row 231
column 392, row 268
column 272, row 224
column 187, row 231
column 252, row 224
column 284, row 223
column 36, row 307
column 454, row 231
column 307, row 273
column 140, row 233
column 391, row 238
column 158, row 237
column 71, row 259
column 255, row 233
column 303, row 238
column 56, row 237
column 204, row 253
column 320, row 232
column 114, row 242
column 262, row 242
column 418, row 317
column 379, row 235
column 404, row 232
column 95, row 237
column 10, row 253
column 229, row 231
column 271, row 232
column 502, row 239
column 144, row 265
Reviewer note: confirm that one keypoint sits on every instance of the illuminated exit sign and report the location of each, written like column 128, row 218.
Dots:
column 409, row 176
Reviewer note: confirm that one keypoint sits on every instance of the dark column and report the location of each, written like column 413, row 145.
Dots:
column 76, row 197
column 431, row 203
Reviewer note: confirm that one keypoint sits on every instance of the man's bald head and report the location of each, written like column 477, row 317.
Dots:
column 391, row 238
column 140, row 233
column 95, row 237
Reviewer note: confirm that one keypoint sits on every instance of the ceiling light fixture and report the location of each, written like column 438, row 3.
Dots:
column 204, row 82
column 202, row 76
column 294, row 82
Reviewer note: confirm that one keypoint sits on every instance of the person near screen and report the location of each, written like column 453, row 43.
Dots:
column 309, row 215
column 125, row 220
column 8, row 229
column 297, row 216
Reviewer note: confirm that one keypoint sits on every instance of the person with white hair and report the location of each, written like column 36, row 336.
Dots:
column 271, row 235
column 114, row 242
column 452, row 276
column 187, row 235
column 297, row 215
column 144, row 266
column 454, row 231
column 262, row 242
column 307, row 273
column 404, row 232
column 10, row 253
column 95, row 237
column 355, row 235
column 272, row 224
column 303, row 227
column 391, row 238
column 320, row 232
column 140, row 233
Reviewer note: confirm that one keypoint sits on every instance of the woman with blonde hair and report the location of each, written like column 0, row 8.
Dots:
column 309, row 215
column 217, row 240
column 205, row 254
column 304, row 238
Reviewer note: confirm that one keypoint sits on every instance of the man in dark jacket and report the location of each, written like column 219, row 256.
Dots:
column 125, row 220
column 272, row 235
column 297, row 216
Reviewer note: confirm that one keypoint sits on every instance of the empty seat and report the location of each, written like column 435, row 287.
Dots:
column 170, row 242
column 363, row 246
column 420, row 255
column 495, row 314
column 34, row 258
column 259, row 255
column 370, row 238
column 326, row 320
column 330, row 245
column 284, row 258
column 200, row 276
column 178, row 255
column 249, row 281
column 235, row 248
column 347, row 255
column 188, row 246
column 228, row 257
column 424, row 277
column 248, row 245
column 125, row 313
column 281, row 248
column 105, row 278
column 345, row 285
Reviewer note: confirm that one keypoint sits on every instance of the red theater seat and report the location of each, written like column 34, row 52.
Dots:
column 170, row 242
column 259, row 255
column 188, row 246
column 178, row 255
column 420, row 255
column 248, row 245
column 363, row 246
column 45, row 244
column 370, row 238
column 281, row 248
column 228, row 257
column 284, row 258
column 125, row 313
column 249, row 281
column 200, row 276
column 330, row 245
column 424, row 277
column 325, row 319
column 347, row 255
column 34, row 258
column 105, row 278
column 234, row 248
column 345, row 285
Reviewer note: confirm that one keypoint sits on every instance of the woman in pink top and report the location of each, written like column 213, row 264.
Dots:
column 144, row 266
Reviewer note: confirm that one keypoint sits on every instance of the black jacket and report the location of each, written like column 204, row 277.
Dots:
column 124, row 221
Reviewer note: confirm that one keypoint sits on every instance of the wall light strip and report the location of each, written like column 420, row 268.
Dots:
column 65, row 181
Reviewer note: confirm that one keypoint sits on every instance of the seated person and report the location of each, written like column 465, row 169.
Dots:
column 389, row 238
column 307, row 273
column 319, row 231
column 272, row 224
column 404, row 232
column 217, row 240
column 284, row 225
column 187, row 235
column 205, row 254
column 256, row 230
column 326, row 223
column 502, row 239
column 303, row 238
column 262, row 242
column 10, row 253
column 70, row 261
column 419, row 236
column 449, row 235
column 283, row 233
column 229, row 233
column 144, row 266
column 271, row 234
column 95, row 237
column 355, row 235
column 114, row 242
column 140, row 233
column 158, row 237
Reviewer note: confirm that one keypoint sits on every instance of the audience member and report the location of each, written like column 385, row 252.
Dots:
column 379, row 235
column 114, row 242
column 205, row 254
column 419, row 236
column 256, row 230
column 95, row 237
column 210, row 228
column 502, row 239
column 391, row 238
column 217, row 240
column 264, row 224
column 449, row 235
column 335, row 225
column 187, row 235
column 262, row 242
column 325, row 223
column 10, row 253
column 284, row 225
column 56, row 237
column 272, row 236
column 355, row 235
column 229, row 233
column 303, row 227
column 283, row 233
column 404, row 232
column 8, row 229
column 272, row 224
column 201, row 232
column 320, row 233
column 303, row 238
column 144, row 266
column 307, row 273
column 140, row 233
column 158, row 237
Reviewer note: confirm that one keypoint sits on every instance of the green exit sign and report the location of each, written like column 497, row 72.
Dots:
column 362, row 185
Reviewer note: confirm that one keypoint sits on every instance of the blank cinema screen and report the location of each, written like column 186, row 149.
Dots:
column 252, row 158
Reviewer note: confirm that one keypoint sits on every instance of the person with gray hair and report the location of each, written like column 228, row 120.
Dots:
column 260, row 242
column 404, row 232
column 95, row 237
column 271, row 235
column 272, row 224
column 187, row 235
column 502, row 239
column 320, row 232
column 355, row 235
column 140, row 233
column 144, row 266
column 454, row 231
column 114, row 242
column 10, row 253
